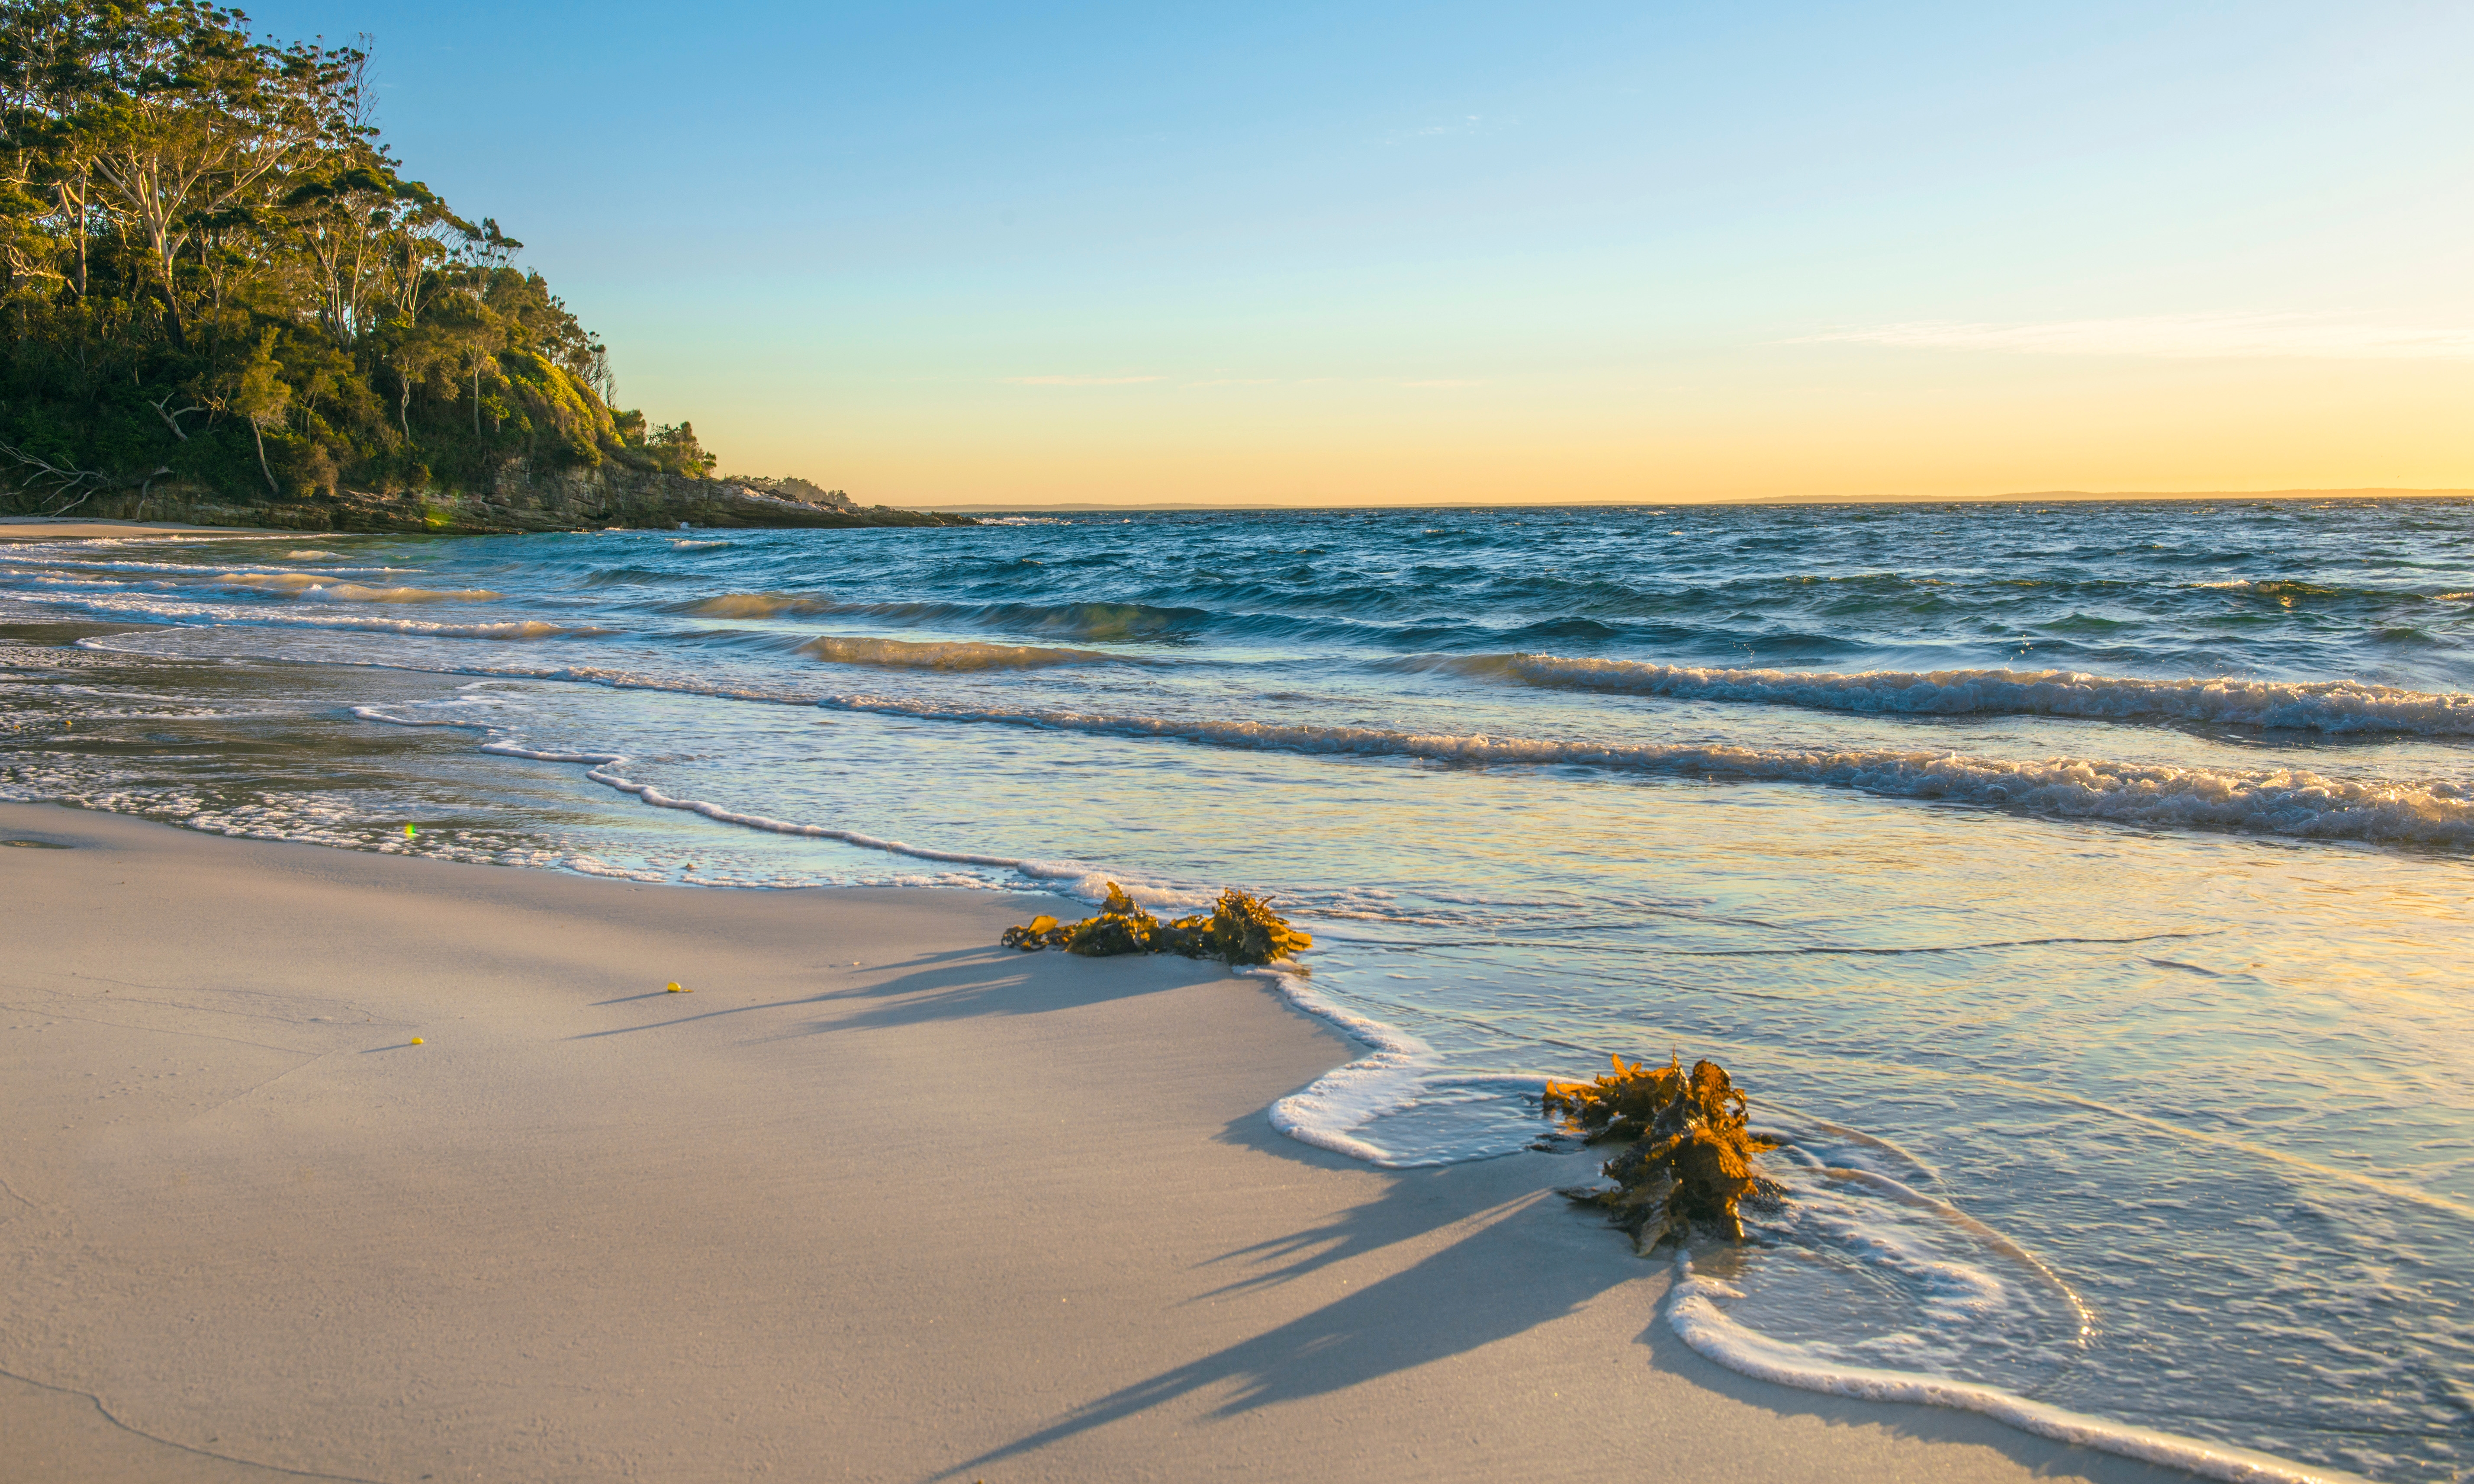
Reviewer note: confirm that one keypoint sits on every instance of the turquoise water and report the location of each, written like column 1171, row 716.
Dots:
column 2091, row 881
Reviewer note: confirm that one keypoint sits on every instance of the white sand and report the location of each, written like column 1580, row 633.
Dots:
column 878, row 1201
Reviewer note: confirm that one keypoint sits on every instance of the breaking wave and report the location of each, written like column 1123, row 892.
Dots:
column 315, row 587
column 2326, row 705
column 909, row 654
column 2282, row 801
column 752, row 604
column 1100, row 621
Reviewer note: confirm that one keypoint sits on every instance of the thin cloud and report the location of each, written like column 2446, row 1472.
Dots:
column 1443, row 385
column 2175, row 337
column 1080, row 381
column 1237, row 381
column 1466, row 124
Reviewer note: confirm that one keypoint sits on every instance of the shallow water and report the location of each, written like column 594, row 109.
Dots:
column 2082, row 889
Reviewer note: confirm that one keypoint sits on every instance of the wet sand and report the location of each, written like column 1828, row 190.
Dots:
column 46, row 528
column 876, row 1201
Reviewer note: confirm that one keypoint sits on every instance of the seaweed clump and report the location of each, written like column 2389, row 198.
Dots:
column 1690, row 1157
column 1241, row 929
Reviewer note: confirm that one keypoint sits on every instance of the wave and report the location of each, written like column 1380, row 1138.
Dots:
column 1693, row 1313
column 323, row 588
column 2324, row 706
column 2287, row 801
column 752, row 604
column 905, row 654
column 1101, row 621
column 2280, row 802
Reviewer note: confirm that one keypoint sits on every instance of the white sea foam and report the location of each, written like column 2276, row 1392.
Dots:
column 2282, row 800
column 2328, row 706
column 1333, row 1111
column 1693, row 1313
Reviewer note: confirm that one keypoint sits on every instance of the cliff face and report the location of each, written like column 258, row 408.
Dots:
column 568, row 500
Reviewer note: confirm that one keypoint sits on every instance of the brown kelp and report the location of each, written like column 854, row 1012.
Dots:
column 1241, row 929
column 1690, row 1157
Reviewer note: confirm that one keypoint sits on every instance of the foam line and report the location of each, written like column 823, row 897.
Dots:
column 1328, row 1112
column 1693, row 1313
column 165, row 610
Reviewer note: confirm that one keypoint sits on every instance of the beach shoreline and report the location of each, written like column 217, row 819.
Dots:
column 46, row 528
column 881, row 1201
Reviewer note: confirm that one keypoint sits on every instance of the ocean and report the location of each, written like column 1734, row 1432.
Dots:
column 2084, row 891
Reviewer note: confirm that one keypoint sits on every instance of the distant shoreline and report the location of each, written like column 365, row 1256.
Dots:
column 2030, row 497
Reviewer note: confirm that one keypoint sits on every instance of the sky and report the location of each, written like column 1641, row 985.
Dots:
column 940, row 254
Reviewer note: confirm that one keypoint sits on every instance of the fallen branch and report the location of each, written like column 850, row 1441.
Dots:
column 63, row 480
column 1690, row 1158
column 1241, row 929
column 172, row 419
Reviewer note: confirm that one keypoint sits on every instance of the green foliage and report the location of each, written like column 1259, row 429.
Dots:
column 1241, row 929
column 212, row 270
column 1690, row 1155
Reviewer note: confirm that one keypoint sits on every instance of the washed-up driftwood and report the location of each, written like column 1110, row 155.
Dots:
column 1690, row 1157
column 1241, row 929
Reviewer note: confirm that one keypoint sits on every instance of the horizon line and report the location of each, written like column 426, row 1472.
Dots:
column 1072, row 507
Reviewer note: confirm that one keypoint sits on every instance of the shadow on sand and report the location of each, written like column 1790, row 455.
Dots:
column 956, row 985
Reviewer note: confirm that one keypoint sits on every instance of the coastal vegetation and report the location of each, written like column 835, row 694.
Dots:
column 213, row 272
column 1690, row 1153
column 1240, row 929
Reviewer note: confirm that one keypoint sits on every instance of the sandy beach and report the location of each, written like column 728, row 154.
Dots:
column 45, row 528
column 877, row 1201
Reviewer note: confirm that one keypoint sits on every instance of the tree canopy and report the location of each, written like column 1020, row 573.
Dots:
column 212, row 269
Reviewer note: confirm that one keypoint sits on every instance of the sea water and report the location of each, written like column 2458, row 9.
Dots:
column 2081, row 890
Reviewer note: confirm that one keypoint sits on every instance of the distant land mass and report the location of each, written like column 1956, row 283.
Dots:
column 2029, row 498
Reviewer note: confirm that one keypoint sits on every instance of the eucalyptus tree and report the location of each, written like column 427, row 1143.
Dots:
column 202, row 231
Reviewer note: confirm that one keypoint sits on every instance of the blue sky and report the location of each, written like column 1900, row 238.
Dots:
column 953, row 253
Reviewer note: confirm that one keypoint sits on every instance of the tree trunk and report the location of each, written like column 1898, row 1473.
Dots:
column 172, row 317
column 256, row 432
